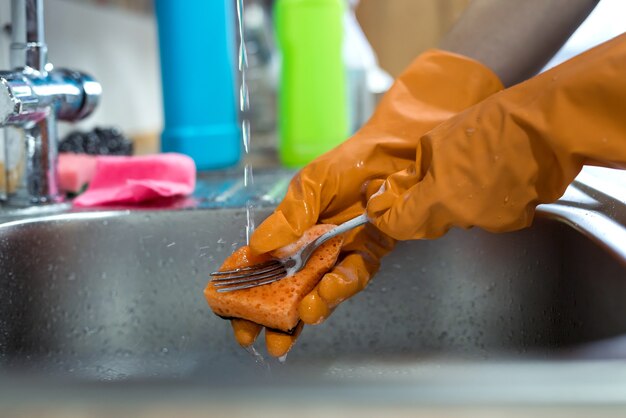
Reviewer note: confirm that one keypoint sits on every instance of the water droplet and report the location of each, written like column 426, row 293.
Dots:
column 248, row 177
column 244, row 95
column 249, row 221
column 470, row 131
column 240, row 16
column 245, row 135
column 258, row 358
column 243, row 56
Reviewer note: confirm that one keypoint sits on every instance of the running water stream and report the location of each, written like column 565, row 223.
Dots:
column 248, row 177
column 244, row 107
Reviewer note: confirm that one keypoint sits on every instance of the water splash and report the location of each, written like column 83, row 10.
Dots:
column 259, row 359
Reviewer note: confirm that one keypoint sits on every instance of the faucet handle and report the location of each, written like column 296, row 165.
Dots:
column 10, row 106
column 72, row 96
column 91, row 92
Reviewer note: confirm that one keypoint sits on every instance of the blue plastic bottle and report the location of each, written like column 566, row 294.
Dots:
column 196, row 41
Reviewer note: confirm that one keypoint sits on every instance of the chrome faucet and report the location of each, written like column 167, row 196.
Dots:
column 33, row 96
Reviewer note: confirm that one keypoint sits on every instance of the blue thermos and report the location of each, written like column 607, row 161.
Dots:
column 196, row 41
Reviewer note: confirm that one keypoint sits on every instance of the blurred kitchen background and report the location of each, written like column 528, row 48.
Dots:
column 116, row 41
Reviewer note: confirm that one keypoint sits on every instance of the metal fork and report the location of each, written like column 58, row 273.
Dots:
column 274, row 270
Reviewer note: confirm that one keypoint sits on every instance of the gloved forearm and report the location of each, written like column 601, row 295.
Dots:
column 492, row 164
column 335, row 187
column 434, row 87
column 515, row 38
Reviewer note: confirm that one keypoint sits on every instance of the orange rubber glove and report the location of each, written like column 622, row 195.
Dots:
column 335, row 187
column 491, row 165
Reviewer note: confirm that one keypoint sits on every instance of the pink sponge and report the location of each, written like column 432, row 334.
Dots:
column 137, row 179
column 75, row 171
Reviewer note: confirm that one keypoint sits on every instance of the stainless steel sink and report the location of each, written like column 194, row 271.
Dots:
column 116, row 295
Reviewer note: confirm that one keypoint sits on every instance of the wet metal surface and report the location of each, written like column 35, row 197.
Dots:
column 116, row 295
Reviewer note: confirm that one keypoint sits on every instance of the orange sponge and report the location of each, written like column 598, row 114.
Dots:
column 275, row 305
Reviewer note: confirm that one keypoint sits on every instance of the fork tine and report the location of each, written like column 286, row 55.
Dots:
column 254, row 283
column 248, row 279
column 251, row 273
column 256, row 267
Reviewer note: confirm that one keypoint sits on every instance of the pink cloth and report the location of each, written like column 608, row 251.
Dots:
column 138, row 179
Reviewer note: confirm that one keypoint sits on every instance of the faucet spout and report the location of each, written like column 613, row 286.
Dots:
column 42, row 162
column 33, row 97
column 28, row 45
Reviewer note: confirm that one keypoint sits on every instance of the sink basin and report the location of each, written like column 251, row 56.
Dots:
column 117, row 296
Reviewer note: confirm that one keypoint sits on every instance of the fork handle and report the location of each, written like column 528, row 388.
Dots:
column 346, row 226
column 339, row 229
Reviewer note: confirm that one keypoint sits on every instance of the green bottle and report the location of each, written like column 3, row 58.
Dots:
column 312, row 116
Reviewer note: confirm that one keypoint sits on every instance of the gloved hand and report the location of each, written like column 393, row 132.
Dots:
column 491, row 165
column 335, row 187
